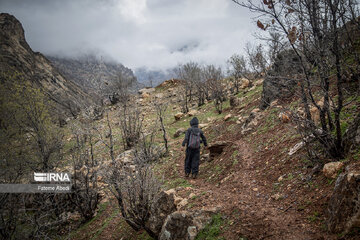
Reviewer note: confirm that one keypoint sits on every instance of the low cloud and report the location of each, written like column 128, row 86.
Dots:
column 157, row 34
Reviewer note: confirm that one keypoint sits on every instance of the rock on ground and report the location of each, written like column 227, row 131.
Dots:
column 178, row 116
column 146, row 90
column 179, row 132
column 344, row 206
column 192, row 113
column 185, row 225
column 164, row 206
column 331, row 169
column 227, row 117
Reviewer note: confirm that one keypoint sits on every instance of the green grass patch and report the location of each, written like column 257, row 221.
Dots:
column 212, row 230
column 178, row 182
column 314, row 217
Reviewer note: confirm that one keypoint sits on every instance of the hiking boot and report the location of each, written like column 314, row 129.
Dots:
column 187, row 174
column 194, row 175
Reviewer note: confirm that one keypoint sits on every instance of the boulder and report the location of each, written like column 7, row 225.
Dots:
column 185, row 225
column 178, row 116
column 279, row 83
column 204, row 158
column 93, row 113
column 163, row 207
column 315, row 114
column 331, row 169
column 285, row 117
column 192, row 113
column 234, row 101
column 259, row 82
column 125, row 157
column 244, row 83
column 217, row 148
column 182, row 203
column 145, row 95
column 179, row 132
column 159, row 96
column 343, row 211
column 203, row 125
column 252, row 121
column 106, row 102
column 227, row 117
column 146, row 90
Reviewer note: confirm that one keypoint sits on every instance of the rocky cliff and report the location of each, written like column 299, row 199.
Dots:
column 94, row 74
column 17, row 56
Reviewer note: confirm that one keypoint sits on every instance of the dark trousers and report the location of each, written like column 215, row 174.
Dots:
column 192, row 160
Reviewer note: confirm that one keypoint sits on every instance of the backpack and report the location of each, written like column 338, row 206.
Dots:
column 194, row 140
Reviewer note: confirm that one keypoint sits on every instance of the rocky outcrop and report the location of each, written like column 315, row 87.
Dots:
column 252, row 121
column 185, row 225
column 344, row 205
column 18, row 57
column 164, row 206
column 217, row 148
column 95, row 74
column 280, row 82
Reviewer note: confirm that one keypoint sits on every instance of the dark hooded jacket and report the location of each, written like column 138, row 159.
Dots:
column 194, row 123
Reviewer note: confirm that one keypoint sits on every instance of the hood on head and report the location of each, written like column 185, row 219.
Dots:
column 194, row 122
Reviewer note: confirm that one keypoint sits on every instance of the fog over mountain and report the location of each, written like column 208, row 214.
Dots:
column 137, row 33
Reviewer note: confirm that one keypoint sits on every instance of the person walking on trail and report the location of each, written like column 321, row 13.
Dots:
column 194, row 136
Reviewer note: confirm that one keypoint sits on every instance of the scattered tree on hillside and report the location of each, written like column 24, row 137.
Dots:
column 160, row 111
column 214, row 78
column 131, row 121
column 193, row 84
column 30, row 142
column 238, row 70
column 119, row 88
column 257, row 59
column 324, row 35
column 135, row 186
column 85, row 196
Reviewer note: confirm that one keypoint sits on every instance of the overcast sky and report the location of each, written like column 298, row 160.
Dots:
column 152, row 33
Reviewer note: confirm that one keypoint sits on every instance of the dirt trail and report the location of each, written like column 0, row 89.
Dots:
column 247, row 201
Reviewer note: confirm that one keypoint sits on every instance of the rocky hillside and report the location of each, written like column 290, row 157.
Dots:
column 255, row 179
column 93, row 73
column 17, row 56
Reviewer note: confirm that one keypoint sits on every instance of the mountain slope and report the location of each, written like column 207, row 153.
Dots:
column 92, row 73
column 17, row 56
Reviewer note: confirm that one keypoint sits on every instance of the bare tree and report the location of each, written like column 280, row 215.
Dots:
column 214, row 77
column 238, row 70
column 27, row 129
column 322, row 34
column 119, row 88
column 85, row 196
column 190, row 73
column 136, row 189
column 257, row 59
column 131, row 126
column 161, row 111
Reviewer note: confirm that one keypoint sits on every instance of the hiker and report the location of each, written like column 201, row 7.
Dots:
column 193, row 141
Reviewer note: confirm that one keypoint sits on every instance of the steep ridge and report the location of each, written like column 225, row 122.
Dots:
column 17, row 56
column 92, row 73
